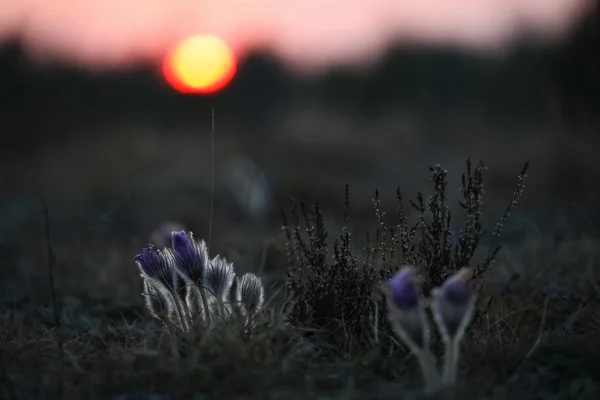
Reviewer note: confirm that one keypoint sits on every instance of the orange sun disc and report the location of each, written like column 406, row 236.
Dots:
column 202, row 64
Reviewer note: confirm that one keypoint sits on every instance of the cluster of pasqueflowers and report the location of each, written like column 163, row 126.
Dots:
column 184, row 288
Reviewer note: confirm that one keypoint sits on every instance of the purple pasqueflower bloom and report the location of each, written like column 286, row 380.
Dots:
column 404, row 289
column 405, row 311
column 453, row 304
column 191, row 256
column 457, row 290
column 156, row 264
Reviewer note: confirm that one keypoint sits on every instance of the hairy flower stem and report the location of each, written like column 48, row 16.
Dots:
column 451, row 358
column 185, row 323
column 205, row 304
column 428, row 369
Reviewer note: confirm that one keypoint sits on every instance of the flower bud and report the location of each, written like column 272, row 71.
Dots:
column 405, row 308
column 453, row 304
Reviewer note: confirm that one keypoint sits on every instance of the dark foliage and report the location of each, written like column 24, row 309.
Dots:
column 332, row 294
column 331, row 291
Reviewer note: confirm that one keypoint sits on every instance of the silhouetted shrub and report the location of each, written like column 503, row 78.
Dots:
column 333, row 292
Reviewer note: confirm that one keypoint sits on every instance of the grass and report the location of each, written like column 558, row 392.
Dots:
column 523, row 347
column 535, row 340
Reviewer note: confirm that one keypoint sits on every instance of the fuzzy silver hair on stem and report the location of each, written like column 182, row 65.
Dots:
column 218, row 280
column 157, row 301
column 250, row 295
column 184, row 288
column 156, row 267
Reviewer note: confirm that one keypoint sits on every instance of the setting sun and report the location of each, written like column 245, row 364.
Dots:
column 201, row 64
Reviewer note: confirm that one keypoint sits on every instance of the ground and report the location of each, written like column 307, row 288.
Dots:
column 106, row 192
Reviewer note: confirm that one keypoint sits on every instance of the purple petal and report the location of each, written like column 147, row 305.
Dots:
column 457, row 290
column 191, row 255
column 183, row 245
column 404, row 288
column 155, row 264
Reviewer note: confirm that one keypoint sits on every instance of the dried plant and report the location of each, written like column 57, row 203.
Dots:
column 335, row 294
column 184, row 289
column 332, row 291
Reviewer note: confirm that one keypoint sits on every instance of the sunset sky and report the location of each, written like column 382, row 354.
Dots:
column 307, row 35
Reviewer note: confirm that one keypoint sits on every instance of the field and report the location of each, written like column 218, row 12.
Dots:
column 99, row 166
column 82, row 330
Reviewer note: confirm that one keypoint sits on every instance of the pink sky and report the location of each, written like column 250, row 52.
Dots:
column 307, row 35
